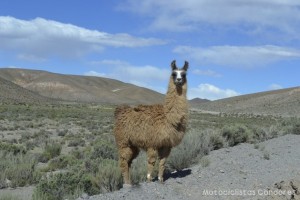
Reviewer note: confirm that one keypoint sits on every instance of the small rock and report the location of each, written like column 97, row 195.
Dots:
column 222, row 171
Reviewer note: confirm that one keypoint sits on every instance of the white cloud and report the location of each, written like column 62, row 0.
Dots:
column 206, row 73
column 123, row 70
column 94, row 73
column 253, row 16
column 40, row 38
column 275, row 86
column 145, row 76
column 239, row 56
column 211, row 92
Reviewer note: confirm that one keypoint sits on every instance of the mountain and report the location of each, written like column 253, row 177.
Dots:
column 22, row 85
column 12, row 93
column 80, row 88
column 196, row 101
column 283, row 102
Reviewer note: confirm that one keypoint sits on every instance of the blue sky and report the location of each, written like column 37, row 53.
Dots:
column 234, row 47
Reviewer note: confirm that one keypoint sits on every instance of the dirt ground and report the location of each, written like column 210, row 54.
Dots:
column 269, row 170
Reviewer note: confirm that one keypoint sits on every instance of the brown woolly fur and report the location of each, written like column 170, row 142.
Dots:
column 153, row 128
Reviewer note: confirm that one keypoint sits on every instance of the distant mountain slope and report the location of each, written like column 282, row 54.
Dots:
column 284, row 102
column 12, row 93
column 196, row 101
column 81, row 88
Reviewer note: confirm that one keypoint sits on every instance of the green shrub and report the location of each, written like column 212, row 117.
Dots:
column 138, row 171
column 89, row 184
column 58, row 186
column 236, row 134
column 105, row 150
column 53, row 149
column 19, row 169
column 259, row 134
column 76, row 142
column 13, row 148
column 109, row 177
column 193, row 146
column 60, row 162
column 62, row 133
column 296, row 128
column 216, row 140
column 2, row 179
column 9, row 197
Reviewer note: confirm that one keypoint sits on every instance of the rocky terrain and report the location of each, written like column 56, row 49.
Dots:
column 268, row 170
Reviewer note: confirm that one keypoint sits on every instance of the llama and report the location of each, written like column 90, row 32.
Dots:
column 153, row 128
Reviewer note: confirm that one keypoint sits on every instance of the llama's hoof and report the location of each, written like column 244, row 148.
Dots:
column 127, row 186
column 149, row 178
column 161, row 180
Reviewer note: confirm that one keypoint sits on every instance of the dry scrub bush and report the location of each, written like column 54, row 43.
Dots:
column 19, row 169
column 108, row 177
column 9, row 197
column 104, row 149
column 51, row 150
column 193, row 146
column 236, row 134
column 58, row 186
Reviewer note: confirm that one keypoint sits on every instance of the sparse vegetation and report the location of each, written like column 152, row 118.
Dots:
column 66, row 150
column 17, row 170
column 9, row 197
column 194, row 145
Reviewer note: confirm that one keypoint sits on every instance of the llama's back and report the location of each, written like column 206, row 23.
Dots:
column 139, row 126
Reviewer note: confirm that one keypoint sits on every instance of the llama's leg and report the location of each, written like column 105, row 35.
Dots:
column 163, row 154
column 127, row 154
column 151, row 158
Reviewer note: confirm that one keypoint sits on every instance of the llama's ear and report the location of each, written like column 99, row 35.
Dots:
column 186, row 65
column 173, row 65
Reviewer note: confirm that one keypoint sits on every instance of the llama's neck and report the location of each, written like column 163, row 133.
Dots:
column 176, row 107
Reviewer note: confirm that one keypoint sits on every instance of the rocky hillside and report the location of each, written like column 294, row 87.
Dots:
column 80, row 88
column 284, row 102
column 12, row 93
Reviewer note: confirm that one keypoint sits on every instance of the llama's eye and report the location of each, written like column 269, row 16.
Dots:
column 183, row 75
column 174, row 74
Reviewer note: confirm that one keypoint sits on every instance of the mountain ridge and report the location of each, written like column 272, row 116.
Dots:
column 86, row 89
column 282, row 102
column 42, row 85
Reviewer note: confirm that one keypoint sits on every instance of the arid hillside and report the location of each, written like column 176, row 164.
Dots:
column 80, row 88
column 12, row 93
column 284, row 102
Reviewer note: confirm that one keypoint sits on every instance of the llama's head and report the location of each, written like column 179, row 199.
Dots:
column 179, row 74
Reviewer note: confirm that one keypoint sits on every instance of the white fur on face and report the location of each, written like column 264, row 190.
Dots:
column 178, row 75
